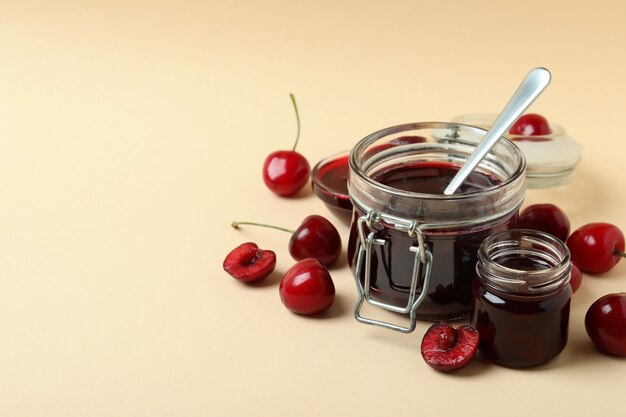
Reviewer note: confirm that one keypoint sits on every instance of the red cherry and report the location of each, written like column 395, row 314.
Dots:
column 531, row 125
column 446, row 348
column 576, row 278
column 286, row 172
column 248, row 263
column 316, row 238
column 596, row 247
column 307, row 288
column 605, row 323
column 546, row 218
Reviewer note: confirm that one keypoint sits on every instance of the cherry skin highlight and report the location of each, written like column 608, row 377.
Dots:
column 248, row 263
column 545, row 218
column 286, row 172
column 531, row 125
column 596, row 247
column 446, row 348
column 307, row 288
column 605, row 323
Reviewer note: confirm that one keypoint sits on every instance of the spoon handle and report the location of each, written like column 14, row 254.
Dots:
column 534, row 83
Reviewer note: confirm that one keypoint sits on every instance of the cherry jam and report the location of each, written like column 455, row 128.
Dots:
column 431, row 178
column 521, row 298
column 413, row 249
column 330, row 181
column 454, row 250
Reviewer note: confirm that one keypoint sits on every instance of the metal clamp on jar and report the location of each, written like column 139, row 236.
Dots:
column 413, row 249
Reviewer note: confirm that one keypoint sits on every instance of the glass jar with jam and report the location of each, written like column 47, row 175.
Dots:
column 412, row 249
column 521, row 297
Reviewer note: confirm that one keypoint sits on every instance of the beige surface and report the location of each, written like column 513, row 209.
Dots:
column 132, row 133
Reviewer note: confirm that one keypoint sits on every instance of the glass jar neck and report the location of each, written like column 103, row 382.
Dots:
column 524, row 262
column 447, row 143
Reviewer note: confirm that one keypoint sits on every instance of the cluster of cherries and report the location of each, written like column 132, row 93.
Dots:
column 307, row 287
column 595, row 248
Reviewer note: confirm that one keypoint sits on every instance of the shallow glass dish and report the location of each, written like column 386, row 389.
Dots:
column 329, row 180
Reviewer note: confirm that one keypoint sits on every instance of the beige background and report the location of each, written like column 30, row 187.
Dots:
column 132, row 133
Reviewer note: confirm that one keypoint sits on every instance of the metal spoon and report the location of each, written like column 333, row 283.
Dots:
column 534, row 83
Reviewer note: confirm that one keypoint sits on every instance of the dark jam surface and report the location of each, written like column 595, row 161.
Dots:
column 431, row 178
column 334, row 177
column 520, row 331
column 524, row 263
column 454, row 252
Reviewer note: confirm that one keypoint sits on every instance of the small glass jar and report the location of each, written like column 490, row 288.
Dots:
column 521, row 297
column 412, row 249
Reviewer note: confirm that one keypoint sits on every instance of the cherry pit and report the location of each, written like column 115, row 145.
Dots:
column 446, row 348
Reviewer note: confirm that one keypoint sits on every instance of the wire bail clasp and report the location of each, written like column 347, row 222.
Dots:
column 423, row 261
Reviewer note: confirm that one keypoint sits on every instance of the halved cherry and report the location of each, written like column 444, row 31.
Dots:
column 446, row 348
column 248, row 263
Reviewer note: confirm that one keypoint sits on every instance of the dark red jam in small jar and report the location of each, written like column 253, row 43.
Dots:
column 521, row 297
column 412, row 249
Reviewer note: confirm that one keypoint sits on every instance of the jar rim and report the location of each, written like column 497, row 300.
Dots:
column 359, row 149
column 510, row 279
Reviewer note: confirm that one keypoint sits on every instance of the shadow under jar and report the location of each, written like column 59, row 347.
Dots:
column 412, row 249
column 521, row 297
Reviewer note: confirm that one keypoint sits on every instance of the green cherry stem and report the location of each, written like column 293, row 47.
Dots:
column 295, row 107
column 235, row 225
column 618, row 252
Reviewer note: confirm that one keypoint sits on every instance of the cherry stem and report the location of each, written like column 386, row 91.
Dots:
column 618, row 252
column 235, row 225
column 295, row 107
